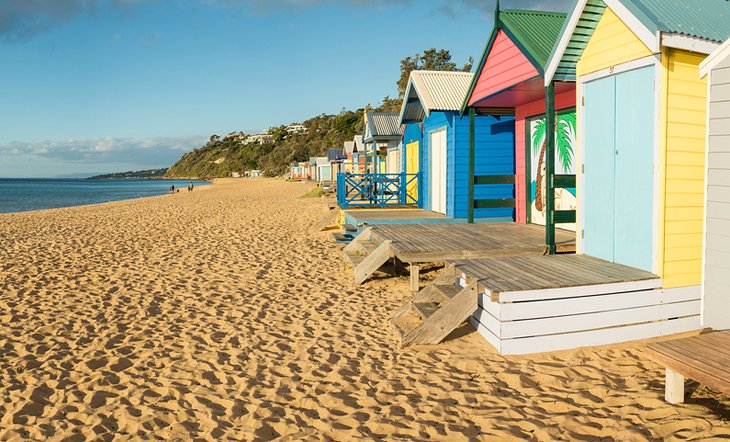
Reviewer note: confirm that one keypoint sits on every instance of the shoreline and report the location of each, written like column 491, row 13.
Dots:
column 210, row 184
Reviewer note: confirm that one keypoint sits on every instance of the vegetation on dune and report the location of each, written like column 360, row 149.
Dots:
column 147, row 174
column 220, row 157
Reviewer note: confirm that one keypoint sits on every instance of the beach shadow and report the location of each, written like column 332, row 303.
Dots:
column 464, row 330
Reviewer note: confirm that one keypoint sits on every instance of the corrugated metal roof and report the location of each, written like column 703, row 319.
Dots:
column 429, row 91
column 382, row 126
column 705, row 19
column 709, row 19
column 359, row 143
column 533, row 31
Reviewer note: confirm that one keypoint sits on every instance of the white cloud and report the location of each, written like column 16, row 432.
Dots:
column 161, row 151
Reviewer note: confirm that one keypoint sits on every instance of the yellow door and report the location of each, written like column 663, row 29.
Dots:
column 412, row 168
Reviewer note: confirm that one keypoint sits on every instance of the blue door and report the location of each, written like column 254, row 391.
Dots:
column 635, row 127
column 599, row 189
column 619, row 168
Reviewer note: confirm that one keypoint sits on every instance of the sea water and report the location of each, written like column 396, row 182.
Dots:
column 21, row 195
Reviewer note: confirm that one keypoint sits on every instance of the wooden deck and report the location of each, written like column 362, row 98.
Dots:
column 704, row 358
column 394, row 215
column 532, row 304
column 419, row 243
column 517, row 278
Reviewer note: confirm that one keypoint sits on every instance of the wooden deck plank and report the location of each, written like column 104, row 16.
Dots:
column 718, row 345
column 521, row 273
column 703, row 358
column 449, row 241
column 698, row 357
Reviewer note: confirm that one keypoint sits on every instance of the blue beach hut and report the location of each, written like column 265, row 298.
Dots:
column 439, row 136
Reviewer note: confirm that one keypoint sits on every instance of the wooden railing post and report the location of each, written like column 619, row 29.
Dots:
column 472, row 149
column 550, row 167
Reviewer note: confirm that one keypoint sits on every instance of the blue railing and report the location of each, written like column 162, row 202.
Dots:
column 377, row 189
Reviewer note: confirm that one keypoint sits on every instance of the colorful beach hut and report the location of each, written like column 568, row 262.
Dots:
column 641, row 129
column 716, row 281
column 510, row 78
column 436, row 142
column 382, row 133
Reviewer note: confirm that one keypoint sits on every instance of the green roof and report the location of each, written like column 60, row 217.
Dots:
column 705, row 19
column 534, row 32
column 709, row 19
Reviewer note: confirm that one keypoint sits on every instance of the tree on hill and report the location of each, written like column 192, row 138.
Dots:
column 431, row 60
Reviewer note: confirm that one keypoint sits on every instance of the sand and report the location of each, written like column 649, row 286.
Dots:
column 219, row 315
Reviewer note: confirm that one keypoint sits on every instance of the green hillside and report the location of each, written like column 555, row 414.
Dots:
column 221, row 156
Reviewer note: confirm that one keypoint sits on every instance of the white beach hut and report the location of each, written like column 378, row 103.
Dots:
column 716, row 250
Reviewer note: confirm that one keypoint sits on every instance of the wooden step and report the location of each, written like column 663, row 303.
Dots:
column 448, row 291
column 426, row 309
column 354, row 258
column 349, row 228
column 368, row 246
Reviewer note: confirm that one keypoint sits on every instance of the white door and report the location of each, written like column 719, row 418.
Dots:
column 437, row 178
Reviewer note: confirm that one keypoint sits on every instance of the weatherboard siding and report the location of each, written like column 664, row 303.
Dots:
column 506, row 66
column 563, row 101
column 716, row 285
column 494, row 155
column 685, row 169
column 612, row 43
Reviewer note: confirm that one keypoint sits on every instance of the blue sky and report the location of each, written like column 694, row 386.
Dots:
column 110, row 85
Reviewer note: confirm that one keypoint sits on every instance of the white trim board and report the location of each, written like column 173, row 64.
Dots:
column 587, row 321
column 578, row 291
column 687, row 43
column 589, row 304
column 715, row 58
column 639, row 63
column 648, row 38
column 542, row 344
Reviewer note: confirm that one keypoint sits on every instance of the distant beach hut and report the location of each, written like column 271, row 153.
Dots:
column 641, row 129
column 510, row 75
column 324, row 169
column 716, row 282
column 437, row 144
column 382, row 133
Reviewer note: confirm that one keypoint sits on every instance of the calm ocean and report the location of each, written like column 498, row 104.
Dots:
column 20, row 195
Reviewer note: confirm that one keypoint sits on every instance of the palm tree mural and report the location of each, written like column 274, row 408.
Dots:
column 564, row 149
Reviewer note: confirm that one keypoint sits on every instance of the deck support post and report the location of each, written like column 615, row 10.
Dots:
column 550, row 167
column 674, row 393
column 470, row 173
column 415, row 277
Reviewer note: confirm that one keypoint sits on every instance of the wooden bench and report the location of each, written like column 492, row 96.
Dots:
column 704, row 358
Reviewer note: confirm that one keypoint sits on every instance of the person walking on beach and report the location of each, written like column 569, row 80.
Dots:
column 190, row 187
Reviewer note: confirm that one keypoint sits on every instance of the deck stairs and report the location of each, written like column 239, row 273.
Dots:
column 366, row 256
column 436, row 310
column 348, row 233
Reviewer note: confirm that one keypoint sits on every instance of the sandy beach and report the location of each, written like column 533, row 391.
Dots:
column 220, row 315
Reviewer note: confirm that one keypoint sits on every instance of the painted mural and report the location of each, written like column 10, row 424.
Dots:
column 564, row 165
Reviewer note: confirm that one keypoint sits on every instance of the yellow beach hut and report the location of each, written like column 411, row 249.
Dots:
column 641, row 131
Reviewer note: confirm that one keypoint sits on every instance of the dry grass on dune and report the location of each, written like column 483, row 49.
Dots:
column 219, row 315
